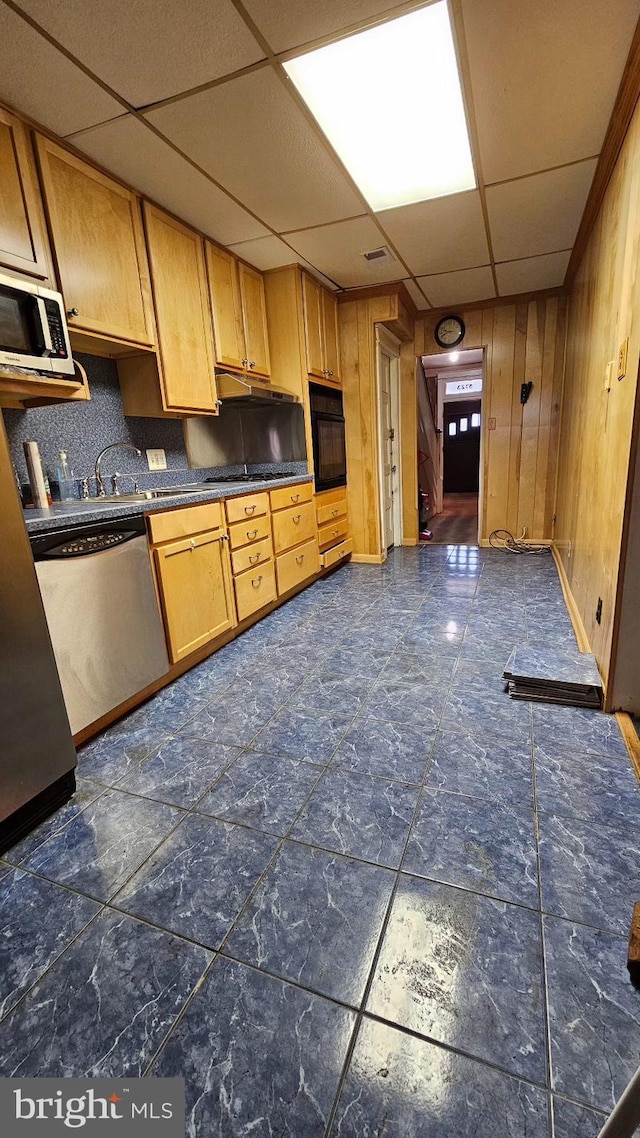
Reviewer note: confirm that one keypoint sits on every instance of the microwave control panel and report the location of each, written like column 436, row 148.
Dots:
column 56, row 330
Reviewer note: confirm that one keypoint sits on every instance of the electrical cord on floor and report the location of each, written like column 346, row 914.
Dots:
column 503, row 540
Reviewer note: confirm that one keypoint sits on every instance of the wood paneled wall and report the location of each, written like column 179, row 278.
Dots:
column 357, row 319
column 596, row 436
column 522, row 342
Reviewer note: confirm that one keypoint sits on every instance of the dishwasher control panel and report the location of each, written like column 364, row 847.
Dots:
column 90, row 543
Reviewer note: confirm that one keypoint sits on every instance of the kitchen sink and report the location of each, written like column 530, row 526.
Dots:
column 146, row 495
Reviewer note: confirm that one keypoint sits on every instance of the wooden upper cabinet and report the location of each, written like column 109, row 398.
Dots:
column 320, row 311
column 313, row 318
column 239, row 314
column 254, row 318
column 226, row 307
column 185, row 337
column 98, row 240
column 23, row 240
column 330, row 330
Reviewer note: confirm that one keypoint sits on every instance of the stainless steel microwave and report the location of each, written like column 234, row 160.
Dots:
column 33, row 328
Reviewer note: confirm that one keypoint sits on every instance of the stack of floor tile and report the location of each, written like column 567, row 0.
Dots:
column 546, row 674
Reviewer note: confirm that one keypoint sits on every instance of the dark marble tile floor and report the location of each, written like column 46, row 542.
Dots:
column 339, row 882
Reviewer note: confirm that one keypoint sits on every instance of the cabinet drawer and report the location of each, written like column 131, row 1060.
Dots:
column 178, row 523
column 296, row 566
column 291, row 495
column 247, row 506
column 329, row 513
column 293, row 526
column 255, row 589
column 334, row 532
column 250, row 555
column 242, row 533
column 336, row 553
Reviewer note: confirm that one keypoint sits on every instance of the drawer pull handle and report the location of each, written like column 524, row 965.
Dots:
column 251, row 533
column 300, row 559
column 334, row 513
column 223, row 537
column 192, row 545
column 335, row 532
column 256, row 581
column 253, row 558
column 250, row 509
column 295, row 497
column 296, row 518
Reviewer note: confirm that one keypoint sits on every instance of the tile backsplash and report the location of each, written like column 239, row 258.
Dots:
column 83, row 429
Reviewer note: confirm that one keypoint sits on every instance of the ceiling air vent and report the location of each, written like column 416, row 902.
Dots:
column 378, row 256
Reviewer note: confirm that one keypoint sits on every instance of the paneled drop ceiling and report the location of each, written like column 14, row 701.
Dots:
column 187, row 100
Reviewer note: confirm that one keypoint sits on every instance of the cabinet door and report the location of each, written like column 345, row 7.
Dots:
column 330, row 328
column 23, row 241
column 226, row 308
column 183, row 318
column 254, row 315
column 194, row 578
column 98, row 244
column 312, row 298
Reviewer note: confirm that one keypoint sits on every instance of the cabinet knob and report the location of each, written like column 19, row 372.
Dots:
column 73, row 312
column 192, row 545
column 245, row 363
column 253, row 363
column 330, row 373
column 334, row 513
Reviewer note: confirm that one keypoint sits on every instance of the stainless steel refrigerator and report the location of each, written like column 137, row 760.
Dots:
column 37, row 756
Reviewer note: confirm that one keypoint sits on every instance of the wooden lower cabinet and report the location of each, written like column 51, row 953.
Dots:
column 333, row 526
column 194, row 581
column 296, row 565
column 254, row 589
column 293, row 526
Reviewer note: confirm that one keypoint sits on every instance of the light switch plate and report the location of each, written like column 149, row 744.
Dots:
column 622, row 358
column 156, row 459
column 492, row 424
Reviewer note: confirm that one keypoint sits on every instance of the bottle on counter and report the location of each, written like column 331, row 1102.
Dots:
column 40, row 492
column 65, row 479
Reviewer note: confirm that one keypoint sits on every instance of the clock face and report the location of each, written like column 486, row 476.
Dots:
column 449, row 331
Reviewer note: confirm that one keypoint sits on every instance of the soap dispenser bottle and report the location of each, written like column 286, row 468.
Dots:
column 64, row 478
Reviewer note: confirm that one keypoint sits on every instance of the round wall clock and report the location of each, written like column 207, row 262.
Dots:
column 449, row 332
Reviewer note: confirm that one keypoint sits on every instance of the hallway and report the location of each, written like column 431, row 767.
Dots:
column 340, row 881
column 458, row 522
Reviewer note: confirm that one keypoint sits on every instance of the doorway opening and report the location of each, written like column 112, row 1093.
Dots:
column 450, row 447
column 388, row 375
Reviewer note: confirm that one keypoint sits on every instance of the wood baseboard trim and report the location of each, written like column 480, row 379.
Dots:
column 368, row 558
column 632, row 742
column 572, row 608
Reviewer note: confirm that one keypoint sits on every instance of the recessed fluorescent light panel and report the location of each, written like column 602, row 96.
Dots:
column 390, row 103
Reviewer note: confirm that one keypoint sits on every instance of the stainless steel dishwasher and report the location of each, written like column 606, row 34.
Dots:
column 100, row 602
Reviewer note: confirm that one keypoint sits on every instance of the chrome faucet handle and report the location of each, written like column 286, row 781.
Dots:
column 84, row 487
column 115, row 489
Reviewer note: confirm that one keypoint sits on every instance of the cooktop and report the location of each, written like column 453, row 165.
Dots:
column 251, row 477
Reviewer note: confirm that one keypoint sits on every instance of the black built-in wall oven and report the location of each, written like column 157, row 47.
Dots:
column 327, row 425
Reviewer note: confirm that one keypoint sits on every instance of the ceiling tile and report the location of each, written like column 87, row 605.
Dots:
column 416, row 294
column 539, row 214
column 286, row 24
column 37, row 79
column 336, row 250
column 252, row 137
column 266, row 253
column 532, row 273
column 133, row 152
column 459, row 288
column 150, row 49
column 439, row 235
column 544, row 78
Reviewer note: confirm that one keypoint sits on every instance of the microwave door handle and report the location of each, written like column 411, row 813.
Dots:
column 44, row 322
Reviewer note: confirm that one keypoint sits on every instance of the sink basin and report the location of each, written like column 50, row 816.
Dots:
column 146, row 495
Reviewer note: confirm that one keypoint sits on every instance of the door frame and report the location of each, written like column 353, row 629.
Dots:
column 461, row 398
column 389, row 345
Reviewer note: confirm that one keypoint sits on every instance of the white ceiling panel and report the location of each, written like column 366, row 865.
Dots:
column 416, row 294
column 459, row 288
column 286, row 24
column 150, row 49
column 132, row 151
column 266, row 253
column 539, row 214
column 439, row 235
column 544, row 77
column 532, row 273
column 252, row 137
column 37, row 79
column 336, row 250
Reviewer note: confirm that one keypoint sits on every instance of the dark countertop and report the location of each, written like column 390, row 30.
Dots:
column 62, row 515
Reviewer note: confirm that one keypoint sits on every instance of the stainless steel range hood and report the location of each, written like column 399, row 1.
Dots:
column 232, row 387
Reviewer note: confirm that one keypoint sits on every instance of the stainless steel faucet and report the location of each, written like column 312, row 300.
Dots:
column 112, row 446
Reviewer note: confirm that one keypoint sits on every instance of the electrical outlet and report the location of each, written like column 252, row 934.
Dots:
column 599, row 611
column 492, row 424
column 156, row 459
column 622, row 359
